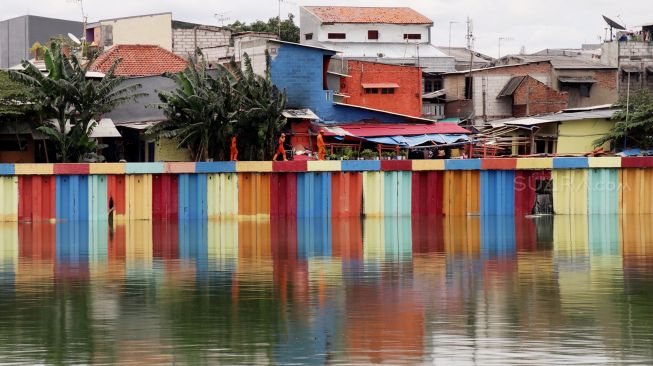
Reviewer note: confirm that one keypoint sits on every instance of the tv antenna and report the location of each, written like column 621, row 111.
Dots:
column 613, row 25
column 84, row 17
column 221, row 17
column 502, row 39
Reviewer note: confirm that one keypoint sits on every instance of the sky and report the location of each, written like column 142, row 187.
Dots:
column 532, row 24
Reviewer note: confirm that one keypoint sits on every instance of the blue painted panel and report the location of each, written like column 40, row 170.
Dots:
column 193, row 204
column 498, row 237
column 603, row 192
column 72, row 197
column 216, row 167
column 570, row 163
column 498, row 192
column 313, row 195
column 7, row 169
column 360, row 165
column 462, row 164
column 144, row 168
column 313, row 238
column 72, row 243
column 193, row 244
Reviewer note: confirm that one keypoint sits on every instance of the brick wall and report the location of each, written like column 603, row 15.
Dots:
column 533, row 97
column 407, row 98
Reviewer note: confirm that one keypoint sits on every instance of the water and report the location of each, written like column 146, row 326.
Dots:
column 564, row 290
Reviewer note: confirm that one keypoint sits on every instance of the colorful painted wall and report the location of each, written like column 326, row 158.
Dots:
column 260, row 190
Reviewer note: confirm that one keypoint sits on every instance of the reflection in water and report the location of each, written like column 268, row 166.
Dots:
column 488, row 290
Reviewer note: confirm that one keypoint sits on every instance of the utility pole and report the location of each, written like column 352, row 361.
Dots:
column 470, row 47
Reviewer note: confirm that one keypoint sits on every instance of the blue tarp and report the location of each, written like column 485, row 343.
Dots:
column 411, row 141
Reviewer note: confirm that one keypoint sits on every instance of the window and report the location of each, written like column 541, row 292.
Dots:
column 308, row 36
column 469, row 92
column 337, row 36
column 585, row 90
column 387, row 91
column 13, row 145
column 412, row 36
column 372, row 34
column 371, row 91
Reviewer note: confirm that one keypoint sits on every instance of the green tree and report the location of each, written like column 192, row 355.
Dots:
column 259, row 117
column 289, row 30
column 14, row 97
column 69, row 103
column 634, row 122
column 200, row 112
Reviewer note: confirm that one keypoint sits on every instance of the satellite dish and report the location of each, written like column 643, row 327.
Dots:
column 74, row 38
column 613, row 24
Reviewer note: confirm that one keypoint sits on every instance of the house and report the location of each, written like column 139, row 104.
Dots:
column 399, row 35
column 17, row 35
column 393, row 88
column 632, row 54
column 144, row 65
column 462, row 56
column 570, row 132
column 181, row 38
column 497, row 92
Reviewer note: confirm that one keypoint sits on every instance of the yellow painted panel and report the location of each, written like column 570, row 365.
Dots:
column 462, row 235
column 34, row 169
column 534, row 163
column 373, row 193
column 570, row 191
column 324, row 166
column 9, row 198
column 138, row 247
column 462, row 192
column 605, row 162
column 107, row 168
column 138, row 197
column 570, row 235
column 635, row 192
column 577, row 137
column 222, row 241
column 373, row 239
column 222, row 195
column 422, row 165
column 254, row 166
column 8, row 246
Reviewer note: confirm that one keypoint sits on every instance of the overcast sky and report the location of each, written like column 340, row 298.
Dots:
column 534, row 24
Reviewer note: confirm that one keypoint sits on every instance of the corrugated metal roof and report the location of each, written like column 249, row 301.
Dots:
column 577, row 79
column 394, row 129
column 557, row 117
column 649, row 69
column 434, row 94
column 380, row 85
column 377, row 15
column 300, row 114
column 386, row 50
column 511, row 86
column 631, row 69
column 105, row 128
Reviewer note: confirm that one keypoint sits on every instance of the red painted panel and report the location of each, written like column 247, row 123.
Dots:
column 427, row 193
column 71, row 169
column 525, row 185
column 289, row 166
column 283, row 195
column 498, row 164
column 283, row 243
column 396, row 165
column 347, row 238
column 346, row 194
column 637, row 162
column 37, row 198
column 116, row 193
column 37, row 241
column 165, row 196
column 525, row 234
column 165, row 239
column 428, row 234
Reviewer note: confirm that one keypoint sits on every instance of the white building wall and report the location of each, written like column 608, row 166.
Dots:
column 388, row 33
column 148, row 29
column 308, row 23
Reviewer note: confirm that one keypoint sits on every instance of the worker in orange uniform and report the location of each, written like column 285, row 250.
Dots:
column 321, row 148
column 280, row 148
column 234, row 149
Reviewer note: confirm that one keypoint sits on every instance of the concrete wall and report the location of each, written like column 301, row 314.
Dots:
column 604, row 91
column 167, row 150
column 324, row 189
column 148, row 29
column 213, row 41
column 17, row 35
column 144, row 108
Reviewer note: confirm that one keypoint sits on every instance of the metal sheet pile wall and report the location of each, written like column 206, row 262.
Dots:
column 259, row 190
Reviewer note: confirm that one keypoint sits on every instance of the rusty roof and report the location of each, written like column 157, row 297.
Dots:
column 378, row 15
column 511, row 86
column 139, row 60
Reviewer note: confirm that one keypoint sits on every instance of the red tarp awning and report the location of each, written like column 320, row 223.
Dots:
column 394, row 129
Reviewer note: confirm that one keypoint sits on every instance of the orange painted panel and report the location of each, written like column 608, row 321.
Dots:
column 116, row 194
column 254, row 194
column 462, row 235
column 346, row 194
column 635, row 191
column 347, row 238
column 462, row 191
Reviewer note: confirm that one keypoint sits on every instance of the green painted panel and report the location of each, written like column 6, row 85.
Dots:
column 603, row 192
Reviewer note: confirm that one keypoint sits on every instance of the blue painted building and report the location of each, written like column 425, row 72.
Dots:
column 301, row 71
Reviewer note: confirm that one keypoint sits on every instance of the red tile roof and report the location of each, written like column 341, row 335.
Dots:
column 382, row 15
column 139, row 60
